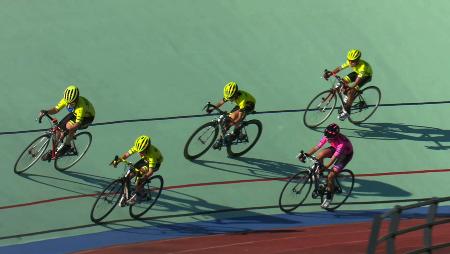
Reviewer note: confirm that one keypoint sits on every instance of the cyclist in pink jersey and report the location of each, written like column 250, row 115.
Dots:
column 340, row 151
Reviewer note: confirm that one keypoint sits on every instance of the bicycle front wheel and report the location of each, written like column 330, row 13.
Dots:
column 343, row 186
column 152, row 190
column 107, row 200
column 201, row 140
column 319, row 109
column 246, row 139
column 295, row 191
column 31, row 154
column 365, row 104
column 80, row 145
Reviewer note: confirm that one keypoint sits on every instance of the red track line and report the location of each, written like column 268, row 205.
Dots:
column 226, row 182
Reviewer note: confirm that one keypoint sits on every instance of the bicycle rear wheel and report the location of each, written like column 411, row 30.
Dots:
column 201, row 140
column 80, row 145
column 365, row 104
column 31, row 154
column 152, row 189
column 247, row 138
column 319, row 109
column 343, row 186
column 107, row 200
column 295, row 191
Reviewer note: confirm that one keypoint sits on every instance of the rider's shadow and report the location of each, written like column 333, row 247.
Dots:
column 253, row 167
column 87, row 184
column 400, row 131
column 374, row 188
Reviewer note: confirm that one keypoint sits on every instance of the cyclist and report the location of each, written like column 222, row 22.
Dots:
column 81, row 114
column 362, row 74
column 340, row 151
column 245, row 104
column 150, row 162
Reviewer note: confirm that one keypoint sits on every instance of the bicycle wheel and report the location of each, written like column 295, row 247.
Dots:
column 295, row 191
column 31, row 154
column 343, row 186
column 107, row 200
column 80, row 145
column 152, row 189
column 201, row 140
column 319, row 109
column 365, row 104
column 247, row 138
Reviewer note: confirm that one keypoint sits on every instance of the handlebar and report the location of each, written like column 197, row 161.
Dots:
column 210, row 105
column 339, row 79
column 53, row 120
column 129, row 164
column 303, row 154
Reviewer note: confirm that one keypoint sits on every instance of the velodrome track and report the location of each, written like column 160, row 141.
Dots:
column 150, row 66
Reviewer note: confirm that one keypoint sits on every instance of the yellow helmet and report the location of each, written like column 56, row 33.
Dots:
column 142, row 143
column 353, row 54
column 71, row 93
column 229, row 90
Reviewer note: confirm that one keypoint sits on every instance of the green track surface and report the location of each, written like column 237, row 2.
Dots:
column 155, row 59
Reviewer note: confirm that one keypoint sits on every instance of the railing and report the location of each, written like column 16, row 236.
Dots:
column 395, row 214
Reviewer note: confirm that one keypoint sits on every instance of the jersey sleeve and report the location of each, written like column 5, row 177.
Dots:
column 322, row 142
column 345, row 65
column 155, row 157
column 79, row 112
column 61, row 104
column 339, row 149
column 132, row 150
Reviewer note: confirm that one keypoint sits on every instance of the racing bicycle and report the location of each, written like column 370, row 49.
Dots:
column 298, row 188
column 243, row 138
column 322, row 105
column 121, row 190
column 36, row 149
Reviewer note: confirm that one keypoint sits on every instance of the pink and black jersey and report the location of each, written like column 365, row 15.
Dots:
column 341, row 144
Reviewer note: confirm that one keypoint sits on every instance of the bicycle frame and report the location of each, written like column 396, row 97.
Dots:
column 313, row 174
column 339, row 88
column 52, row 132
column 221, row 120
column 125, row 178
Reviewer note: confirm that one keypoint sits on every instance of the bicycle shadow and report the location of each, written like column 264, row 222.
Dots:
column 401, row 131
column 374, row 188
column 255, row 167
column 209, row 218
column 88, row 183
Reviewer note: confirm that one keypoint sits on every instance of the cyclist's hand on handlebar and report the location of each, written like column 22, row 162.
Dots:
column 301, row 157
column 116, row 161
column 327, row 74
column 43, row 112
column 209, row 110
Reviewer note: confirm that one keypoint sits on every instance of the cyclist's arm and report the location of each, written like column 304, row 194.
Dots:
column 220, row 103
column 331, row 162
column 51, row 111
column 125, row 156
column 312, row 151
column 357, row 82
column 336, row 70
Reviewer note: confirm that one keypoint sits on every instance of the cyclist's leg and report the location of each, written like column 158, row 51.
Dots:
column 140, row 185
column 338, row 166
column 325, row 153
column 63, row 124
column 248, row 109
column 350, row 78
column 353, row 91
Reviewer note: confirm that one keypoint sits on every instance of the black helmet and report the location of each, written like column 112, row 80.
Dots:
column 331, row 131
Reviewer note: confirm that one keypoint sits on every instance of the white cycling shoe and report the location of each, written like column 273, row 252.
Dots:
column 326, row 203
column 344, row 115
